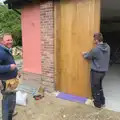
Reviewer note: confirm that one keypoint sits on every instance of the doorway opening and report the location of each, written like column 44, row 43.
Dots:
column 110, row 27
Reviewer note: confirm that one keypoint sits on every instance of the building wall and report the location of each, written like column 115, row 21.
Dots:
column 31, row 39
column 38, row 45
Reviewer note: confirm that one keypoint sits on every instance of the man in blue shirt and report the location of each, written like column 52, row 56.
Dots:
column 8, row 71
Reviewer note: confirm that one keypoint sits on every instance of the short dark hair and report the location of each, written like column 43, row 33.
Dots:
column 98, row 36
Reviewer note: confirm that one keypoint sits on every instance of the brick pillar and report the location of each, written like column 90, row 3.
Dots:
column 47, row 39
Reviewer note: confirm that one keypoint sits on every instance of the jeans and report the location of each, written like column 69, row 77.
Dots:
column 8, row 105
column 96, row 86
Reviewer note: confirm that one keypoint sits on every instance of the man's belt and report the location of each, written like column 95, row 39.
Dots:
column 97, row 71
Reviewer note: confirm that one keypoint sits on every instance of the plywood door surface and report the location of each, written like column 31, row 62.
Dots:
column 75, row 24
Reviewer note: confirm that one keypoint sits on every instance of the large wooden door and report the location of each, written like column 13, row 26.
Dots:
column 75, row 23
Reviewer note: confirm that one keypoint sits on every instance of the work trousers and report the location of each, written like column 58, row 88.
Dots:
column 97, row 89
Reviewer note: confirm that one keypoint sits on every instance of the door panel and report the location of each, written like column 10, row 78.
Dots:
column 75, row 24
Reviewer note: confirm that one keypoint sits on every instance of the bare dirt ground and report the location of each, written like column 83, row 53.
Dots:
column 52, row 108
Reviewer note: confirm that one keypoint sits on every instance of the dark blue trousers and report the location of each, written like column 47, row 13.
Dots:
column 8, row 105
column 97, row 89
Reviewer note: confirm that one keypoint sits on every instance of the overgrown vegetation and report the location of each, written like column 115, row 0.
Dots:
column 10, row 22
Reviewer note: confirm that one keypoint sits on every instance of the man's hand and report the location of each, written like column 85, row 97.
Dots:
column 83, row 53
column 19, row 74
column 13, row 66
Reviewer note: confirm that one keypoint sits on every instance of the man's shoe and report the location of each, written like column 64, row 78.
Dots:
column 97, row 105
column 103, row 106
column 15, row 113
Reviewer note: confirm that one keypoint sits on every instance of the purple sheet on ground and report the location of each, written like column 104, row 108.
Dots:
column 71, row 97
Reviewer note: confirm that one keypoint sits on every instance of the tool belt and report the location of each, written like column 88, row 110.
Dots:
column 10, row 85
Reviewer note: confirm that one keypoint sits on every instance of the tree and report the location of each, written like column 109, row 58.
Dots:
column 10, row 22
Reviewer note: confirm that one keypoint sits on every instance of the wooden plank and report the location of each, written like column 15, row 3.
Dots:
column 57, row 25
column 97, row 15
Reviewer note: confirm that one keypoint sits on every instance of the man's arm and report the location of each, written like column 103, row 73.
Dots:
column 89, row 55
column 5, row 68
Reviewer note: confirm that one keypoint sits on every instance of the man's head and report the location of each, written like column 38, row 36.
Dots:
column 98, row 38
column 6, row 40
